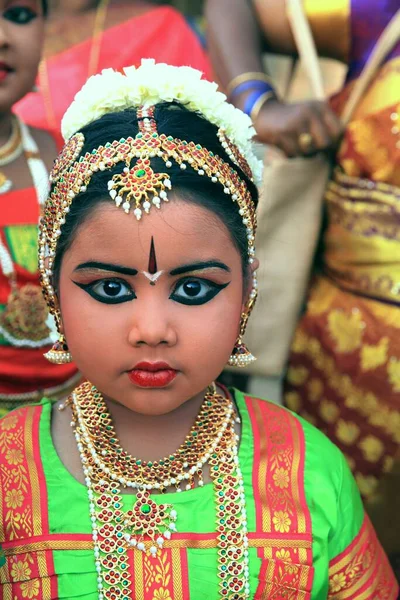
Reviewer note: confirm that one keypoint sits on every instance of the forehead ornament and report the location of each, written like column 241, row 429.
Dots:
column 138, row 187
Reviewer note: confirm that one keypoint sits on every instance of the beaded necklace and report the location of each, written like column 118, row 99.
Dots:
column 23, row 323
column 148, row 526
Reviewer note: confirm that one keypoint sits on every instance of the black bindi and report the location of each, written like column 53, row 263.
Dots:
column 152, row 274
column 152, row 268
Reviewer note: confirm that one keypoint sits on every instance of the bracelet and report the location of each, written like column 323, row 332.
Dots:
column 255, row 101
column 258, row 104
column 253, row 84
column 249, row 76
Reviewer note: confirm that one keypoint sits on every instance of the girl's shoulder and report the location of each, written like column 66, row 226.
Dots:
column 275, row 431
column 11, row 420
column 268, row 415
column 19, row 436
column 21, row 473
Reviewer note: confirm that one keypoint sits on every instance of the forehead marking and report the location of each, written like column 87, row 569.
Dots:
column 152, row 274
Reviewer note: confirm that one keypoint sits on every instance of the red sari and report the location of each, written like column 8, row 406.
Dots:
column 23, row 370
column 161, row 33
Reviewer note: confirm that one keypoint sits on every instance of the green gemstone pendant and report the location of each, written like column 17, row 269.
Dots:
column 145, row 508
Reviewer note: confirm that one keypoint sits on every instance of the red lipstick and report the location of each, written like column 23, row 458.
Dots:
column 152, row 375
column 4, row 70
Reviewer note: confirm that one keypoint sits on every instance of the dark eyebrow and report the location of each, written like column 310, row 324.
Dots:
column 106, row 267
column 200, row 266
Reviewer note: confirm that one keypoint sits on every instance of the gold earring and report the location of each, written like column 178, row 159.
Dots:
column 241, row 356
column 59, row 354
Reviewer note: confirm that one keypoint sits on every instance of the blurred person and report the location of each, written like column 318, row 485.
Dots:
column 25, row 157
column 85, row 36
column 344, row 369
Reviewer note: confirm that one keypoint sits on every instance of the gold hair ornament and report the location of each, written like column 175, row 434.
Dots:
column 139, row 188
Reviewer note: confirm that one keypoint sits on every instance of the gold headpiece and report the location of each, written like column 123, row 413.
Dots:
column 138, row 187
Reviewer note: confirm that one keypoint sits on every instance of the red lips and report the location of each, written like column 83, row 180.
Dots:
column 152, row 375
column 5, row 70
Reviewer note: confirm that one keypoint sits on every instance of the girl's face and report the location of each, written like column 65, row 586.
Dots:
column 151, row 309
column 21, row 38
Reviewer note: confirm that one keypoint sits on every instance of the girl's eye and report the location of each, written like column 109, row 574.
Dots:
column 196, row 291
column 109, row 291
column 21, row 15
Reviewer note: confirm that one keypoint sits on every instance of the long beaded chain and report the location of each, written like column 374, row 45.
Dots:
column 149, row 526
column 39, row 176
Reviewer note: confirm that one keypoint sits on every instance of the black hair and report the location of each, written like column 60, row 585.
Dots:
column 173, row 120
column 45, row 7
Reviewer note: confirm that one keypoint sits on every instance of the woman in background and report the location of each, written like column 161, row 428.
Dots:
column 344, row 370
column 85, row 36
column 25, row 157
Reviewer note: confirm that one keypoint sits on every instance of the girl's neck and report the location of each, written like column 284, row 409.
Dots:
column 153, row 437
column 5, row 127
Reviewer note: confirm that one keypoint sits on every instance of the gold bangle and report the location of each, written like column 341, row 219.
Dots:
column 248, row 76
column 255, row 111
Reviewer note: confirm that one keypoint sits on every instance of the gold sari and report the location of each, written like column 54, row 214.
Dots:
column 344, row 371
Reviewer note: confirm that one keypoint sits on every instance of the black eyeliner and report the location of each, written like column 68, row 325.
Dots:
column 87, row 287
column 215, row 289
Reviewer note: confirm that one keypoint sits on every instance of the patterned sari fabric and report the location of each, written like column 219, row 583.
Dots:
column 308, row 535
column 344, row 372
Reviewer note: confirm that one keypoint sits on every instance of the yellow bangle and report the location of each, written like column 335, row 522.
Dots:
column 255, row 111
column 249, row 76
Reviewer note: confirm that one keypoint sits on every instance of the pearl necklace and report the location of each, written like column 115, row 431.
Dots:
column 28, row 293
column 149, row 526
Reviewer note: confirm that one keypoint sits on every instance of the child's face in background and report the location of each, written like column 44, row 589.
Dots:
column 21, row 39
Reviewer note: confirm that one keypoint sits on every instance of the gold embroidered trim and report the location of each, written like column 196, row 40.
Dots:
column 363, row 564
column 175, row 544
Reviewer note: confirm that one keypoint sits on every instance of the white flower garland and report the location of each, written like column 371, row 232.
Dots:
column 152, row 83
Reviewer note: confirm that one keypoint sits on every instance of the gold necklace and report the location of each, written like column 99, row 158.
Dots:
column 148, row 526
column 93, row 63
column 185, row 465
column 9, row 152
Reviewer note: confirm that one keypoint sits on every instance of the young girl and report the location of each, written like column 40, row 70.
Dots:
column 150, row 482
column 26, row 156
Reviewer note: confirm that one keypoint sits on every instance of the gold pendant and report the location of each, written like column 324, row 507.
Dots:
column 25, row 315
column 148, row 520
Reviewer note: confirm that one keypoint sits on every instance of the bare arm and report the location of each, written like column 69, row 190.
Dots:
column 234, row 38
column 240, row 30
column 238, row 34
